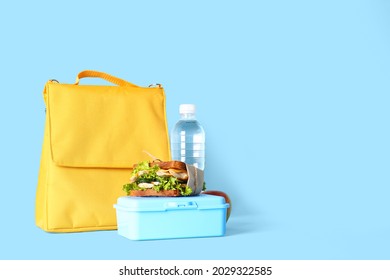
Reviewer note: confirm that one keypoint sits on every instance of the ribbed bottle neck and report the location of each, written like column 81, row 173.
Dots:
column 187, row 116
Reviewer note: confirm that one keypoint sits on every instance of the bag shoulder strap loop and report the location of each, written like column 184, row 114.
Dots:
column 107, row 77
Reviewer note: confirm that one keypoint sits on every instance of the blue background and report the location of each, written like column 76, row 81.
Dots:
column 293, row 95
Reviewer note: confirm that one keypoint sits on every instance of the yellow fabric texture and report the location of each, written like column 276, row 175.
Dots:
column 93, row 137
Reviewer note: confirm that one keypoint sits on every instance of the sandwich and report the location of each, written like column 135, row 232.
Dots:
column 164, row 178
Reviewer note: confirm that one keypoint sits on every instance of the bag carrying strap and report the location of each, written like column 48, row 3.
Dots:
column 104, row 76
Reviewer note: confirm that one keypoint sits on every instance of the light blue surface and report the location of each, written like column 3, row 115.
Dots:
column 293, row 96
column 150, row 218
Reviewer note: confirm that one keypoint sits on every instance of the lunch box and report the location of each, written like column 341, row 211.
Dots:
column 146, row 218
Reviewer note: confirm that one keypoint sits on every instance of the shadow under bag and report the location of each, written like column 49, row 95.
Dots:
column 93, row 136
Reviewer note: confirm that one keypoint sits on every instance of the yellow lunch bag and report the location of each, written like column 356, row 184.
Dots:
column 94, row 134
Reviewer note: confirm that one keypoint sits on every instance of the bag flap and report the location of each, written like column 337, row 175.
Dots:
column 106, row 126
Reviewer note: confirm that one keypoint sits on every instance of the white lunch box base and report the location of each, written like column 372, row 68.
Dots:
column 146, row 218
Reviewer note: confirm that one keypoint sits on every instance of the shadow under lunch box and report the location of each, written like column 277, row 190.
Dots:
column 145, row 218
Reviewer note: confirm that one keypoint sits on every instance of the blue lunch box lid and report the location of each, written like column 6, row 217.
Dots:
column 200, row 202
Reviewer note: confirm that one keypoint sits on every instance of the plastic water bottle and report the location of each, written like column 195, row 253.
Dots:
column 188, row 138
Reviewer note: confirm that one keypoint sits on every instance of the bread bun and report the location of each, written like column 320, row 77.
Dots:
column 151, row 192
column 173, row 164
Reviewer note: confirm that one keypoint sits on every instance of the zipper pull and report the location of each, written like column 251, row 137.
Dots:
column 54, row 81
column 155, row 86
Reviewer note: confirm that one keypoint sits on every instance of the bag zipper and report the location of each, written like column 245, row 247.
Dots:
column 155, row 86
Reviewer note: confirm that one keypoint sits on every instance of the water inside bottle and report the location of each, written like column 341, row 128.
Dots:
column 188, row 143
